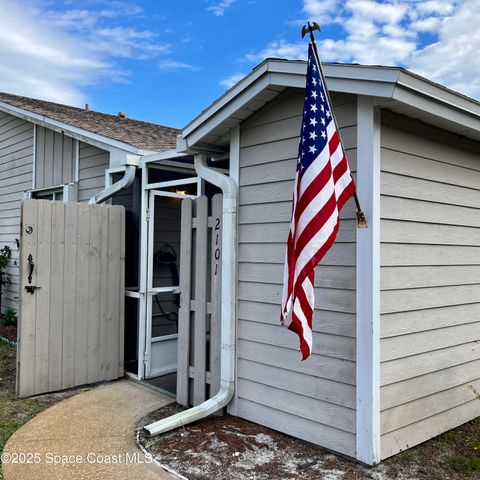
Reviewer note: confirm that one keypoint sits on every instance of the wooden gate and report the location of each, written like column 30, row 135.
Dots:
column 198, row 374
column 71, row 299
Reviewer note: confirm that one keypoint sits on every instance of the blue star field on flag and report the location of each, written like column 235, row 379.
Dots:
column 316, row 116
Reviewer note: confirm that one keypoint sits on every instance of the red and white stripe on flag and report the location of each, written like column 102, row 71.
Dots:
column 323, row 183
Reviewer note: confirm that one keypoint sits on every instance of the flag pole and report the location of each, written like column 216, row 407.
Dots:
column 361, row 220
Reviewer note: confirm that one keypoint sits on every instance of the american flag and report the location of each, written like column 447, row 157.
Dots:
column 323, row 183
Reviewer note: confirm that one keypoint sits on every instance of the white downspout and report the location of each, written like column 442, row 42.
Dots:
column 228, row 314
column 125, row 182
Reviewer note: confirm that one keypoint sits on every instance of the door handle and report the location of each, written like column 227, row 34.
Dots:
column 31, row 266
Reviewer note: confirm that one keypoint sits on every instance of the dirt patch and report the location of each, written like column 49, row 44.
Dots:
column 223, row 448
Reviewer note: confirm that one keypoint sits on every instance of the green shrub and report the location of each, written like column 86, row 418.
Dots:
column 10, row 317
column 5, row 256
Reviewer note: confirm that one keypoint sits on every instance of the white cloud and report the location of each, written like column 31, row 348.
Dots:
column 229, row 82
column 55, row 55
column 280, row 49
column 429, row 24
column 219, row 8
column 435, row 7
column 321, row 11
column 175, row 66
column 452, row 59
column 389, row 32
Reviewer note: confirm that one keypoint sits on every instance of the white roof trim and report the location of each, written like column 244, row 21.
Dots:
column 167, row 155
column 386, row 84
column 91, row 138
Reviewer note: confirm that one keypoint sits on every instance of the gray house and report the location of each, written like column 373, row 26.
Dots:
column 397, row 326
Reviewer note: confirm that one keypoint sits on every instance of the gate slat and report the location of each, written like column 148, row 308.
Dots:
column 184, row 312
column 103, row 358
column 81, row 323
column 121, row 296
column 94, row 273
column 56, row 296
column 42, row 267
column 69, row 295
column 26, row 346
column 216, row 300
column 200, row 324
column 114, row 244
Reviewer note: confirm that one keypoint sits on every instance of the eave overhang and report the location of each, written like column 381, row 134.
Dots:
column 392, row 87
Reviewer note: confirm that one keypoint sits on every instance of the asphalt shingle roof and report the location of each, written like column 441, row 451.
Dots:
column 143, row 135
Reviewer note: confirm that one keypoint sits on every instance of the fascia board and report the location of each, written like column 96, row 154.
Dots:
column 167, row 155
column 91, row 138
column 438, row 93
column 438, row 107
column 362, row 73
column 360, row 87
column 337, row 84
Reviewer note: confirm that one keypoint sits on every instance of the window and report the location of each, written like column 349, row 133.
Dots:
column 62, row 193
column 50, row 194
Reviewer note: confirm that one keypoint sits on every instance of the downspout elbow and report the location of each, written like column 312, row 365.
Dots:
column 110, row 191
column 225, row 183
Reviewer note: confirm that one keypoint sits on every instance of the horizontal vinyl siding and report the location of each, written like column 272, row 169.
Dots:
column 16, row 165
column 315, row 399
column 55, row 155
column 430, row 282
column 92, row 165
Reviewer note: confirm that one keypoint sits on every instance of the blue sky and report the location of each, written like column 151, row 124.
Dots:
column 164, row 61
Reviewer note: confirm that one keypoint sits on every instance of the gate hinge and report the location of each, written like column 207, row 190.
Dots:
column 145, row 357
column 148, row 214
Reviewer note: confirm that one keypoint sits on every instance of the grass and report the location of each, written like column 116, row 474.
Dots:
column 465, row 465
column 461, row 449
column 408, row 455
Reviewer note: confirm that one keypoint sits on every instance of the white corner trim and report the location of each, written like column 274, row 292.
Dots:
column 368, row 284
column 235, row 154
column 34, row 157
column 70, row 192
column 77, row 160
column 143, row 259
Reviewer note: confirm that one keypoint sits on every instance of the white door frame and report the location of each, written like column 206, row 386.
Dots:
column 146, row 290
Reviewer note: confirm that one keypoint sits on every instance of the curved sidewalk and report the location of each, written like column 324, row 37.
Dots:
column 85, row 432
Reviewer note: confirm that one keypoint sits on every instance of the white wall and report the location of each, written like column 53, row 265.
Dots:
column 315, row 399
column 430, row 282
column 16, row 164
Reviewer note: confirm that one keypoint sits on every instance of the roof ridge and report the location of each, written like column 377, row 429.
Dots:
column 80, row 109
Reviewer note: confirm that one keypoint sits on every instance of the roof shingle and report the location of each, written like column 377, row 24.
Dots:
column 143, row 135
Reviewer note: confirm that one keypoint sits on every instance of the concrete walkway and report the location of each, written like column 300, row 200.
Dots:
column 89, row 436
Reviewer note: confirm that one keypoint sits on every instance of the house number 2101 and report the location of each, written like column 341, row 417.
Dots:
column 217, row 249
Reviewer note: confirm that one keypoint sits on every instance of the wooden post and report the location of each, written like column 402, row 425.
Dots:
column 183, row 357
column 200, row 328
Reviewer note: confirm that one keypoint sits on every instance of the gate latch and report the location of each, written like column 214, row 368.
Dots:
column 31, row 288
